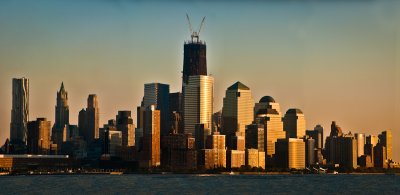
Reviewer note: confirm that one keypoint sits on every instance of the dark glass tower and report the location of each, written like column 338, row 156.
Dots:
column 194, row 59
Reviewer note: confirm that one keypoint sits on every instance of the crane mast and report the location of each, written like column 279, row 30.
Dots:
column 195, row 34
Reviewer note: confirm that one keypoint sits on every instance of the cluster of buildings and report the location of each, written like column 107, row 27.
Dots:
column 181, row 131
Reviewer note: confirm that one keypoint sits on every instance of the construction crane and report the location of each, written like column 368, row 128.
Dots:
column 195, row 34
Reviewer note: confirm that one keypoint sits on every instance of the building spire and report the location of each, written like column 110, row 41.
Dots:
column 62, row 86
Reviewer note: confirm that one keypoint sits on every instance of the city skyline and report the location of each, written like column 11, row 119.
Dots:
column 103, row 82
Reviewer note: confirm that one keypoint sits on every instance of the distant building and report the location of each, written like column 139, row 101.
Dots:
column 194, row 60
column 115, row 139
column 268, row 114
column 386, row 139
column 157, row 94
column 19, row 112
column 267, row 102
column 371, row 142
column 366, row 161
column 237, row 111
column 124, row 123
column 150, row 154
column 255, row 158
column 198, row 102
column 217, row 121
column 178, row 152
column 294, row 123
column 318, row 136
column 290, row 153
column 215, row 154
column 89, row 119
column 139, row 128
column 60, row 132
column 332, row 151
column 176, row 112
column 380, row 156
column 238, row 141
column 215, row 141
column 255, row 137
column 310, row 151
column 201, row 134
column 348, row 151
column 372, row 139
column 360, row 138
column 235, row 158
column 39, row 136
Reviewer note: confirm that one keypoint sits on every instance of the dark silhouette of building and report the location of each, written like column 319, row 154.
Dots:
column 19, row 114
column 39, row 136
column 194, row 59
column 89, row 120
column 61, row 117
column 310, row 151
column 317, row 135
column 380, row 156
column 201, row 134
column 255, row 137
column 178, row 152
column 125, row 125
column 176, row 109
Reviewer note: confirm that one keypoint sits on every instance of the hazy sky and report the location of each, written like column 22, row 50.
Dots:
column 334, row 59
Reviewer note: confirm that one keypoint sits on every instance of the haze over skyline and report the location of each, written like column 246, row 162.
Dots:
column 335, row 60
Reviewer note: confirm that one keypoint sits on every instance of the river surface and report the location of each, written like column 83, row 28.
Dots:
column 200, row 184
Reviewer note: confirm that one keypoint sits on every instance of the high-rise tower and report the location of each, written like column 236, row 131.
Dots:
column 20, row 111
column 194, row 56
column 158, row 94
column 198, row 102
column 61, row 116
column 294, row 123
column 92, row 118
column 62, row 108
column 237, row 111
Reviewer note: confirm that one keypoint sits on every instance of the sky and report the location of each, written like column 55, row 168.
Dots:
column 336, row 60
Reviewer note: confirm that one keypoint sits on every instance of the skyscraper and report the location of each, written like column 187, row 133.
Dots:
column 290, row 153
column 150, row 154
column 125, row 125
column 237, row 111
column 61, row 116
column 62, row 108
column 386, row 139
column 198, row 102
column 158, row 94
column 175, row 112
column 39, row 136
column 310, row 151
column 20, row 111
column 89, row 119
column 194, row 59
column 317, row 135
column 360, row 138
column 268, row 114
column 294, row 123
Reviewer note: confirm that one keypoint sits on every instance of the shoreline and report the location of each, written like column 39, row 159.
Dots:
column 199, row 174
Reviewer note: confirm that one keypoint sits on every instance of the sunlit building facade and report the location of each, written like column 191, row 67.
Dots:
column 198, row 102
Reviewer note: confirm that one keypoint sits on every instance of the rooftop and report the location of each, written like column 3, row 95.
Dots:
column 238, row 85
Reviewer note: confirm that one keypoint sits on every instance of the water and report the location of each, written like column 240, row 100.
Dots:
column 195, row 184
